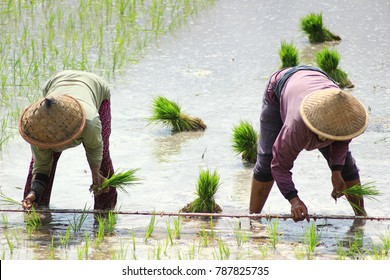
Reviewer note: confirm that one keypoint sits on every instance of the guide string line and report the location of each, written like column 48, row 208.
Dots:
column 214, row 215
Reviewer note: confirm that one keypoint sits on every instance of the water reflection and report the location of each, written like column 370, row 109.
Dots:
column 165, row 148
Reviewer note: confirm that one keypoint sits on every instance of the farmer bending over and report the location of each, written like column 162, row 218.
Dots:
column 75, row 110
column 304, row 109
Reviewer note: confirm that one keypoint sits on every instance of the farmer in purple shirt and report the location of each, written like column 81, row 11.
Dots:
column 304, row 109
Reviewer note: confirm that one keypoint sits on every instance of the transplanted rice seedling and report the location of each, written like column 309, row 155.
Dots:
column 33, row 221
column 328, row 60
column 169, row 114
column 273, row 234
column 206, row 188
column 78, row 222
column 177, row 226
column 223, row 251
column 311, row 240
column 288, row 54
column 244, row 141
column 4, row 220
column 64, row 240
column 119, row 180
column 150, row 228
column 312, row 25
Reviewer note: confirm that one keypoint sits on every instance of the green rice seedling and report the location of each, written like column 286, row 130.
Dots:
column 244, row 141
column 299, row 252
column 377, row 253
column 158, row 252
column 366, row 190
column 10, row 243
column 119, row 180
column 33, row 221
column 264, row 251
column 16, row 235
column 204, row 237
column 151, row 226
column 101, row 231
column 122, row 253
column 341, row 255
column 80, row 252
column 191, row 252
column 328, row 60
column 8, row 200
column 169, row 232
column 311, row 240
column 223, row 250
column 240, row 234
column 169, row 113
column 87, row 245
column 52, row 249
column 356, row 245
column 4, row 220
column 166, row 245
column 288, row 54
column 207, row 186
column 111, row 221
column 385, row 238
column 78, row 221
column 273, row 234
column 177, row 227
column 381, row 251
column 179, row 257
column 64, row 240
column 362, row 191
column 134, row 243
column 312, row 25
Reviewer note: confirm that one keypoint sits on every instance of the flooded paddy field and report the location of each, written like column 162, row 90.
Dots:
column 216, row 66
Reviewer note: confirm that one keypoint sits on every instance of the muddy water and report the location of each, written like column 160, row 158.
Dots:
column 216, row 68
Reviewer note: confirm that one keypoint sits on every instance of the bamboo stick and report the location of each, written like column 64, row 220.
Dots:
column 216, row 215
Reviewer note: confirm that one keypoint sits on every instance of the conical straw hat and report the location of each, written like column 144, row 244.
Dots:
column 52, row 122
column 334, row 114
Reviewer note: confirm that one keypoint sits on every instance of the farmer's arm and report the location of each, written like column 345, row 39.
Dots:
column 93, row 144
column 286, row 148
column 43, row 160
column 337, row 153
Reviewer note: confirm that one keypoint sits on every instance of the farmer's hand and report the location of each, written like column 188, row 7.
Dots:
column 299, row 210
column 97, row 178
column 28, row 202
column 338, row 184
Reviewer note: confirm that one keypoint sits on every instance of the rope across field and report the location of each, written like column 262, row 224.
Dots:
column 214, row 215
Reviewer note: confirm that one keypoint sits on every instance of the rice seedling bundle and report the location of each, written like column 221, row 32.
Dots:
column 312, row 25
column 288, row 54
column 366, row 191
column 244, row 141
column 169, row 114
column 119, row 180
column 328, row 60
column 207, row 186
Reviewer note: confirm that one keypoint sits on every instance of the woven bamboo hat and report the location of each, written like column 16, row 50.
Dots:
column 52, row 122
column 334, row 114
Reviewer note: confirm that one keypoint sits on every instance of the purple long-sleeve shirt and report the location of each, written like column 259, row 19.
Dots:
column 294, row 135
